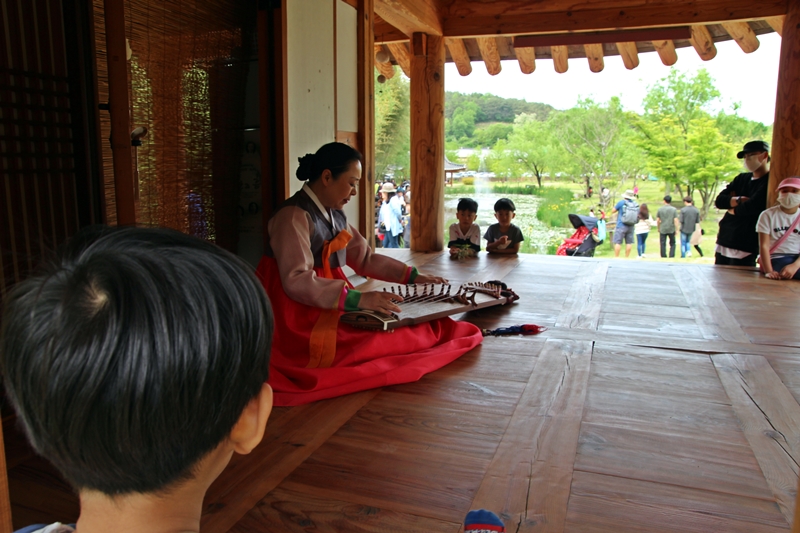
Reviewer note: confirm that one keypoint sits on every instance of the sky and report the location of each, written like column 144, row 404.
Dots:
column 750, row 80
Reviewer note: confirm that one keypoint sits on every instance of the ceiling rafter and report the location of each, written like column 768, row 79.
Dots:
column 458, row 51
column 666, row 51
column 629, row 53
column 560, row 55
column 400, row 53
column 527, row 59
column 410, row 16
column 594, row 53
column 743, row 34
column 488, row 48
column 703, row 43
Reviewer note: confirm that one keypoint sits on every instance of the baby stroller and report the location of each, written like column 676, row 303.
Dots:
column 585, row 239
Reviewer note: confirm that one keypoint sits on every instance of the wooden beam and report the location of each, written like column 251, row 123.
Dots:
column 630, row 54
column 458, row 51
column 125, row 190
column 366, row 118
column 594, row 37
column 387, row 69
column 594, row 53
column 400, row 53
column 666, row 51
column 776, row 23
column 560, row 55
column 527, row 59
column 785, row 137
column 703, row 42
column 471, row 18
column 410, row 16
column 385, row 32
column 427, row 143
column 743, row 34
column 488, row 48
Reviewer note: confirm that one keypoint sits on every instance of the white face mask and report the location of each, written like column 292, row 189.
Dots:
column 789, row 200
column 752, row 163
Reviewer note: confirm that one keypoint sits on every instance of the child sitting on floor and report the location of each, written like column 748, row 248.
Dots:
column 465, row 235
column 137, row 363
column 503, row 237
column 779, row 234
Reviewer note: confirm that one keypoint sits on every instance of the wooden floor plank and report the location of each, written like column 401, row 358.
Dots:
column 290, row 511
column 582, row 307
column 288, row 443
column 770, row 419
column 528, row 481
column 611, row 504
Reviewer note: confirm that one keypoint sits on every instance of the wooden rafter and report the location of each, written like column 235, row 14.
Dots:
column 488, row 48
column 703, row 43
column 594, row 53
column 776, row 23
column 460, row 55
column 384, row 68
column 560, row 55
column 527, row 59
column 629, row 54
column 385, row 32
column 470, row 18
column 743, row 34
column 410, row 16
column 666, row 51
column 400, row 53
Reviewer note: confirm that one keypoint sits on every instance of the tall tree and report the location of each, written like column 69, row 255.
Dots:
column 530, row 149
column 599, row 140
column 710, row 160
column 681, row 97
column 392, row 125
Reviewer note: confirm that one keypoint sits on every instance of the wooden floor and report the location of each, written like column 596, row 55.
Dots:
column 663, row 397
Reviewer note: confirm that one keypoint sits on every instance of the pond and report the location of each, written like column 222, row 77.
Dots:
column 539, row 237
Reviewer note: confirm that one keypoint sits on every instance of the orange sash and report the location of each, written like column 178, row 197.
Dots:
column 322, row 344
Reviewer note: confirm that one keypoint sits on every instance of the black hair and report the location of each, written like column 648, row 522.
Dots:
column 688, row 200
column 132, row 355
column 668, row 199
column 467, row 204
column 504, row 204
column 334, row 156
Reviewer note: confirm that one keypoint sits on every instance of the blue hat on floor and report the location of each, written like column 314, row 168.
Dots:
column 483, row 521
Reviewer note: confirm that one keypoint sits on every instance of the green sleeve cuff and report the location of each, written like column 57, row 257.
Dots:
column 352, row 300
column 413, row 275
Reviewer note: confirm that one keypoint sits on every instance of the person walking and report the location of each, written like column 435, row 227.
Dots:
column 667, row 220
column 689, row 218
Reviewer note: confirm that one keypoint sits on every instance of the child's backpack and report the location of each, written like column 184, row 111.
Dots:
column 630, row 213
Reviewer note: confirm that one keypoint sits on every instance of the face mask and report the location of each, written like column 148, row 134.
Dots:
column 789, row 200
column 752, row 164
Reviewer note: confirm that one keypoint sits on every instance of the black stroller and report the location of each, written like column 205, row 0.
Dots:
column 585, row 239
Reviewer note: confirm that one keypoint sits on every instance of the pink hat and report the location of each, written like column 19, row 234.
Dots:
column 794, row 181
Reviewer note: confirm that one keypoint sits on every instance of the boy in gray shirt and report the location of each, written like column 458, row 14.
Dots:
column 667, row 219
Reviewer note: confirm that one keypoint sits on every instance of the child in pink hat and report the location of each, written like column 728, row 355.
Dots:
column 779, row 233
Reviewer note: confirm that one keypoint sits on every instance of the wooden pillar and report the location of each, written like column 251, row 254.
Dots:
column 126, row 191
column 366, row 118
column 786, row 132
column 272, row 104
column 427, row 143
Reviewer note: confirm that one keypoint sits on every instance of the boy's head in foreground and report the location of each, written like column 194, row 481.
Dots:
column 466, row 213
column 504, row 212
column 137, row 360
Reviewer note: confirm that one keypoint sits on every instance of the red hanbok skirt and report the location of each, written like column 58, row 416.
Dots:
column 364, row 359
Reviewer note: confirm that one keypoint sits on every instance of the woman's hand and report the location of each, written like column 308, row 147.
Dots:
column 424, row 278
column 773, row 275
column 380, row 301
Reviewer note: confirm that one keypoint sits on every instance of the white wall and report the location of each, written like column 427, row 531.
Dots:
column 310, row 54
column 346, row 80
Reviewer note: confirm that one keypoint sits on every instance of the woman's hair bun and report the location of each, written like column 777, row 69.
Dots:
column 305, row 171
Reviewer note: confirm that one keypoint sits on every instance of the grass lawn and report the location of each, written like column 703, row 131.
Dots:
column 540, row 238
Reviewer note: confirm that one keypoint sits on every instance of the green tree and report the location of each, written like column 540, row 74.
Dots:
column 531, row 148
column 488, row 136
column 392, row 126
column 710, row 159
column 739, row 130
column 681, row 97
column 600, row 142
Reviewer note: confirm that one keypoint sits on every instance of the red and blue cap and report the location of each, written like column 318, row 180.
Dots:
column 483, row 521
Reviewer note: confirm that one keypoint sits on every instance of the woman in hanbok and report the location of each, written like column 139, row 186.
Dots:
column 315, row 357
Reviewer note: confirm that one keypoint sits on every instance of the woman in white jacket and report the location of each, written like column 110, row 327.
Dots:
column 642, row 228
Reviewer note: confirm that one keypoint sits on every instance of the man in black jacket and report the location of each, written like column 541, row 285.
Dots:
column 743, row 199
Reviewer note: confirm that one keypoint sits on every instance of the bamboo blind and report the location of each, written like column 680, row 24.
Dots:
column 187, row 77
